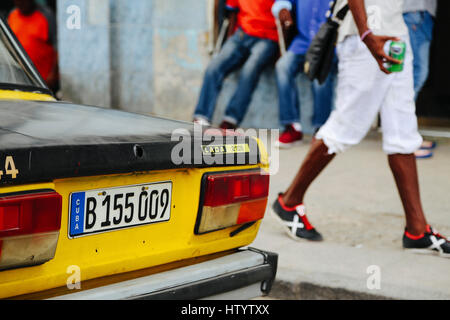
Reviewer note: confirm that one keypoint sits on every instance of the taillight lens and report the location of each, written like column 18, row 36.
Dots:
column 232, row 198
column 29, row 228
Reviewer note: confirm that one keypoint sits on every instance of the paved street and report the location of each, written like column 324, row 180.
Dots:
column 356, row 207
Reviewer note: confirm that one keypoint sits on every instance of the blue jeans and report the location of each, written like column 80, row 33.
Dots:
column 253, row 54
column 287, row 68
column 420, row 25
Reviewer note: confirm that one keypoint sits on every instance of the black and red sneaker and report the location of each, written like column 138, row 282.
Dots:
column 294, row 221
column 430, row 242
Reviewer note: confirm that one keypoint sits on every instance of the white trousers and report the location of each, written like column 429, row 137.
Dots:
column 363, row 91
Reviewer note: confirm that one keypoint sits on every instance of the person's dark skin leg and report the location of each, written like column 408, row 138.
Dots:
column 316, row 160
column 403, row 166
column 404, row 169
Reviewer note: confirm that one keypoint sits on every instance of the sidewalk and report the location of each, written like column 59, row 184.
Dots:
column 355, row 205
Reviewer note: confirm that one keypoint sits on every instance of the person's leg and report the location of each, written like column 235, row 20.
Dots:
column 420, row 27
column 404, row 169
column 357, row 104
column 324, row 97
column 400, row 132
column 230, row 57
column 400, row 139
column 286, row 70
column 316, row 160
column 262, row 52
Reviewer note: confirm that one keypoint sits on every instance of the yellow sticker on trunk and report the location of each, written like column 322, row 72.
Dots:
column 226, row 149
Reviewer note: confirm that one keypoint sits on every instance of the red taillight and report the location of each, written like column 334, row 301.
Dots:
column 228, row 188
column 29, row 228
column 232, row 198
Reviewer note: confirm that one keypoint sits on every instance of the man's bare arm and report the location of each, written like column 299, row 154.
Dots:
column 374, row 43
column 358, row 10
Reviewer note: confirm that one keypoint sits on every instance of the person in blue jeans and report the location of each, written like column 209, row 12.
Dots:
column 252, row 47
column 419, row 17
column 310, row 14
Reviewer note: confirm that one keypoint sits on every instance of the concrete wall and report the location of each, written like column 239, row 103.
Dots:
column 84, row 52
column 148, row 56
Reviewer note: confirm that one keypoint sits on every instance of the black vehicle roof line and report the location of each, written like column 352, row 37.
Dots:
column 24, row 88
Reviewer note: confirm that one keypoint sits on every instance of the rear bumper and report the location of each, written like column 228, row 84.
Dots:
column 246, row 274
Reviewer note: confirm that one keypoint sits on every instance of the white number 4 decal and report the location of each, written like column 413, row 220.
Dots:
column 10, row 168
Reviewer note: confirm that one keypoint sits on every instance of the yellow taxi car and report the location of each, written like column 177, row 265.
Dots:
column 94, row 205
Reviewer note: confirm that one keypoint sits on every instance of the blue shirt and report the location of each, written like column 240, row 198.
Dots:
column 310, row 14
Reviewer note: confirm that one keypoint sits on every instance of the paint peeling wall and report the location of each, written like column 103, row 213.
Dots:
column 148, row 56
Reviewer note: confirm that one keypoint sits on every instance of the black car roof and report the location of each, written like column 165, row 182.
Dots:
column 51, row 140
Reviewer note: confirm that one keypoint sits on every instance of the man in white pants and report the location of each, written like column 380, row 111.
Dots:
column 366, row 87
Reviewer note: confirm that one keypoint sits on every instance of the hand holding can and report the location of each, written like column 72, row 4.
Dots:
column 397, row 51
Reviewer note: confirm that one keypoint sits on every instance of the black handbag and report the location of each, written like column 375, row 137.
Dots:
column 319, row 57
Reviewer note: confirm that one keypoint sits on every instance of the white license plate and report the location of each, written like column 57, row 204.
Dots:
column 109, row 209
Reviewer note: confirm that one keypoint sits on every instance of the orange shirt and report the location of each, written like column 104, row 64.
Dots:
column 255, row 17
column 33, row 32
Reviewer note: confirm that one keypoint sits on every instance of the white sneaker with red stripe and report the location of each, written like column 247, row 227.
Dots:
column 294, row 221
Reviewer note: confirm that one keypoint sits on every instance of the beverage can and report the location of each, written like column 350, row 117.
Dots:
column 397, row 51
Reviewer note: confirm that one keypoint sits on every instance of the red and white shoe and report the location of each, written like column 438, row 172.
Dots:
column 202, row 122
column 292, row 136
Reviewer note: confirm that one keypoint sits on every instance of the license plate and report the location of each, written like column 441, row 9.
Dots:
column 109, row 209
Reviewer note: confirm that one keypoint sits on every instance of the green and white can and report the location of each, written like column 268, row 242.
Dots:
column 397, row 51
